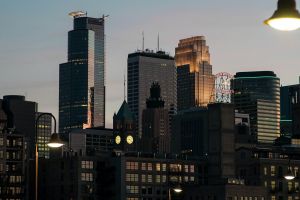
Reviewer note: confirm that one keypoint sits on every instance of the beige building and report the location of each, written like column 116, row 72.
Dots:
column 195, row 81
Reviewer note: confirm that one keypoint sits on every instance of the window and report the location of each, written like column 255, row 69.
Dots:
column 132, row 177
column 192, row 168
column 86, row 177
column 164, row 167
column 143, row 166
column 186, row 168
column 132, row 165
column 86, row 164
column 149, row 166
column 273, row 171
column 149, row 178
column 158, row 167
column 132, row 189
column 290, row 185
column 1, row 141
column 143, row 178
column 157, row 179
column 265, row 171
column 163, row 178
column 273, row 185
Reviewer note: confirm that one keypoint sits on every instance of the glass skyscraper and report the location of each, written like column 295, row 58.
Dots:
column 257, row 93
column 195, row 81
column 81, row 79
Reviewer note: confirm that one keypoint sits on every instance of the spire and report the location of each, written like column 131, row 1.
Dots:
column 143, row 44
column 124, row 87
column 158, row 42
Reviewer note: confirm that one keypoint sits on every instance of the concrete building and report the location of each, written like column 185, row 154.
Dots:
column 124, row 129
column 144, row 68
column 195, row 81
column 81, row 78
column 266, row 166
column 156, row 124
column 257, row 93
column 89, row 142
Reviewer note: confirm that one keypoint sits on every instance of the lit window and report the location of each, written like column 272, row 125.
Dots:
column 157, row 166
column 132, row 165
column 265, row 171
column 132, row 177
column 186, row 168
column 273, row 171
column 273, row 185
column 143, row 166
column 149, row 166
column 164, row 167
column 149, row 180
column 157, row 179
column 132, row 189
column 86, row 177
column 86, row 164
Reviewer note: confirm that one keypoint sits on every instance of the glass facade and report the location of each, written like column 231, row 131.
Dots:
column 258, row 94
column 195, row 81
column 81, row 79
column 44, row 130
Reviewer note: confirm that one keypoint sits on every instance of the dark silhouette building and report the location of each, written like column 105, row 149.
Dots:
column 195, row 81
column 289, row 96
column 155, row 124
column 124, row 129
column 81, row 79
column 143, row 68
column 257, row 93
column 12, row 157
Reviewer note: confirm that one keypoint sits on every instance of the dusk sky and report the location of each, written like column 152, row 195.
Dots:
column 33, row 40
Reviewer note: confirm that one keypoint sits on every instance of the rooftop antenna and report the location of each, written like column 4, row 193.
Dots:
column 143, row 42
column 124, row 86
column 158, row 42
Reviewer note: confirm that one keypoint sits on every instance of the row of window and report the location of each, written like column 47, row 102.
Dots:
column 160, row 167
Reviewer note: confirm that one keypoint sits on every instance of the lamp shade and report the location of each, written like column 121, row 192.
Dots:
column 289, row 175
column 55, row 141
column 177, row 189
column 286, row 17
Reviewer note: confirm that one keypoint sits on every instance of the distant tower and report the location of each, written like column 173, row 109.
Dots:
column 81, row 79
column 195, row 81
column 257, row 93
column 144, row 68
column 155, row 126
column 125, row 135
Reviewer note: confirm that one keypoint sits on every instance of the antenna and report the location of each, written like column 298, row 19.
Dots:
column 124, row 86
column 158, row 42
column 143, row 42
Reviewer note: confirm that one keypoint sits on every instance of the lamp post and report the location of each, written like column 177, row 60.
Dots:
column 286, row 17
column 176, row 189
column 54, row 142
column 290, row 175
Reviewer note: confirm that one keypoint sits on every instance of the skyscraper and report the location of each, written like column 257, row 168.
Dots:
column 81, row 79
column 195, row 81
column 44, row 131
column 156, row 126
column 257, row 93
column 143, row 69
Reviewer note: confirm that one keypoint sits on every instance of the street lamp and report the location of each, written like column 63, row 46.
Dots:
column 176, row 189
column 289, row 175
column 286, row 17
column 54, row 142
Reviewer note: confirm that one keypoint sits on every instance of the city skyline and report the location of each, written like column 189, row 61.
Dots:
column 40, row 47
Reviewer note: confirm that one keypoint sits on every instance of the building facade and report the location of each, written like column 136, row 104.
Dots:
column 124, row 129
column 44, row 131
column 143, row 69
column 195, row 81
column 289, row 96
column 12, row 159
column 155, row 124
column 81, row 79
column 257, row 93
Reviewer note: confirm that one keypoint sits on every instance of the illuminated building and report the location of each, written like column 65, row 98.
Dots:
column 257, row 93
column 156, row 127
column 44, row 130
column 144, row 68
column 81, row 79
column 195, row 81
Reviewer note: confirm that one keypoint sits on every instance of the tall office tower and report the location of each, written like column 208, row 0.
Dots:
column 155, row 124
column 143, row 69
column 257, row 93
column 81, row 79
column 289, row 96
column 195, row 81
column 44, row 131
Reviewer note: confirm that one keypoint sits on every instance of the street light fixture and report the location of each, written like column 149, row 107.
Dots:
column 289, row 175
column 176, row 189
column 54, row 142
column 286, row 17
